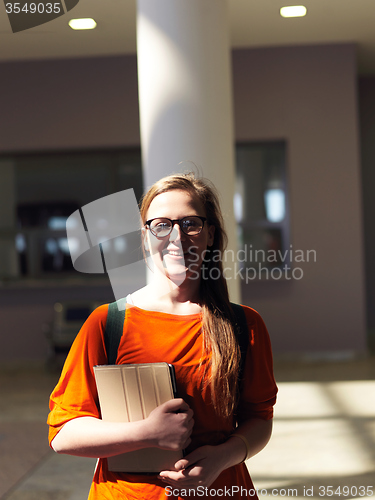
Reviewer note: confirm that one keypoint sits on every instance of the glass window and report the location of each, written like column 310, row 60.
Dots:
column 50, row 187
column 261, row 205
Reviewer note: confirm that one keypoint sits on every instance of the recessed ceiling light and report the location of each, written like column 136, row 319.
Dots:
column 293, row 11
column 82, row 24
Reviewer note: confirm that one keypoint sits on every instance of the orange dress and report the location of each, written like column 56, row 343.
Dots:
column 148, row 337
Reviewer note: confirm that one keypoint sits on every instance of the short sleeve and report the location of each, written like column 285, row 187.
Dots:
column 75, row 395
column 258, row 389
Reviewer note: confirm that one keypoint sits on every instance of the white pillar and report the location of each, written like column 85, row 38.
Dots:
column 185, row 96
column 8, row 255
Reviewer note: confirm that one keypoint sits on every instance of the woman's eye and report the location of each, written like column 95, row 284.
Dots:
column 190, row 224
column 160, row 227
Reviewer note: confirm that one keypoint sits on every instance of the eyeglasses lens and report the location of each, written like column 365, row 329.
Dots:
column 192, row 225
column 160, row 227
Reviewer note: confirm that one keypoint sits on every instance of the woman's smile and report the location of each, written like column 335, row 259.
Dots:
column 176, row 253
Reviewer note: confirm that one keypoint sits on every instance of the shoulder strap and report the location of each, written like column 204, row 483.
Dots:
column 114, row 328
column 242, row 335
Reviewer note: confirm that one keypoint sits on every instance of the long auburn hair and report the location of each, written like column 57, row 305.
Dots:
column 217, row 315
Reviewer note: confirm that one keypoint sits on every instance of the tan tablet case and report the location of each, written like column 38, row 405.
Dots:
column 128, row 393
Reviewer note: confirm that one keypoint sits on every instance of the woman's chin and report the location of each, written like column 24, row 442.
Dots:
column 174, row 264
column 176, row 272
column 177, row 269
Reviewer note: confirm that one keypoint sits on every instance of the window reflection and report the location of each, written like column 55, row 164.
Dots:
column 274, row 200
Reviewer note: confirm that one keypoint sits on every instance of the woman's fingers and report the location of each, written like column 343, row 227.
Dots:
column 175, row 405
column 170, row 425
column 190, row 459
column 200, row 468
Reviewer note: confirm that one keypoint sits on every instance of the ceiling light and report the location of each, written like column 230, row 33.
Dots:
column 293, row 11
column 82, row 24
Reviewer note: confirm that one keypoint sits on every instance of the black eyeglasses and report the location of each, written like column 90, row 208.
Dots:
column 162, row 227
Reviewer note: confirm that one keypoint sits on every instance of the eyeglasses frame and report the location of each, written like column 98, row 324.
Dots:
column 174, row 222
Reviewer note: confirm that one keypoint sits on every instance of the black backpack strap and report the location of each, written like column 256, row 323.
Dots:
column 114, row 328
column 242, row 334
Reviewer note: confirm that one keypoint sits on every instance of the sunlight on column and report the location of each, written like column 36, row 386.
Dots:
column 168, row 87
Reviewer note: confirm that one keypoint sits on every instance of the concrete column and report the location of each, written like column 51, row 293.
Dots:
column 185, row 97
column 8, row 256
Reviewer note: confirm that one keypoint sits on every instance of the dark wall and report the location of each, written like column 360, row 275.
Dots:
column 56, row 106
column 67, row 104
column 367, row 127
column 307, row 95
column 26, row 311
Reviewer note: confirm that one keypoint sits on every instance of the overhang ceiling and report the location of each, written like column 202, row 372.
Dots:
column 253, row 23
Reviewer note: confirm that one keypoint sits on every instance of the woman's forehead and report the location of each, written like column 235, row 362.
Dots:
column 175, row 204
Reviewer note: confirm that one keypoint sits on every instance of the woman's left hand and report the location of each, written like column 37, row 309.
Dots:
column 200, row 468
column 203, row 465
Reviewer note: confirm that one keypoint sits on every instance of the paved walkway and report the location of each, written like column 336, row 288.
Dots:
column 323, row 442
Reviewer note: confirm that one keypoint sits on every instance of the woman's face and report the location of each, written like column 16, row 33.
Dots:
column 178, row 256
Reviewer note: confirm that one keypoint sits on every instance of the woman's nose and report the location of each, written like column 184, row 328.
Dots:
column 176, row 233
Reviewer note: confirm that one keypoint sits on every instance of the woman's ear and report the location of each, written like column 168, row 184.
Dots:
column 211, row 234
column 145, row 242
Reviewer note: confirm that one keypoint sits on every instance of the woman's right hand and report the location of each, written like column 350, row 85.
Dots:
column 170, row 425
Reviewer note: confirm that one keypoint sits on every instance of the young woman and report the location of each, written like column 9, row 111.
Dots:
column 183, row 317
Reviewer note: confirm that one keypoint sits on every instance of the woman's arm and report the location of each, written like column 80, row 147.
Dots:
column 168, row 426
column 257, row 433
column 203, row 465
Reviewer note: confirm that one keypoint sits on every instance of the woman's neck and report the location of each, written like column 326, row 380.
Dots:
column 166, row 297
